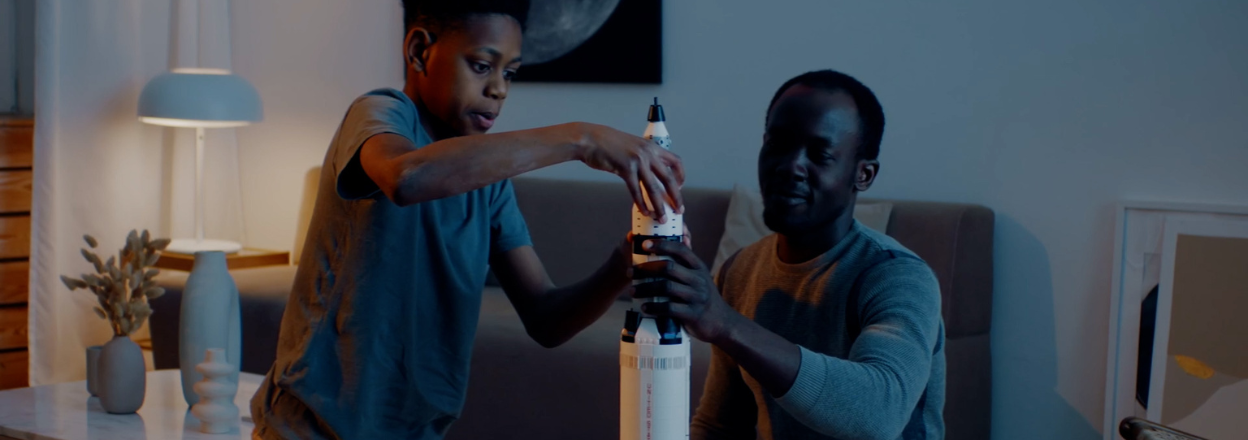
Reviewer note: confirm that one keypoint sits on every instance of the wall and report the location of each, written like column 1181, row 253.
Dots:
column 1047, row 112
column 309, row 59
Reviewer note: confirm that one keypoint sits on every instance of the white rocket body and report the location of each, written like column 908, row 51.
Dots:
column 654, row 387
column 654, row 352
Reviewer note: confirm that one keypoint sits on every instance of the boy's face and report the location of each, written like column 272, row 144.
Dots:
column 808, row 166
column 466, row 72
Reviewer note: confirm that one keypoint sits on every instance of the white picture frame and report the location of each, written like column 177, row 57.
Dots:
column 1140, row 234
column 1165, row 299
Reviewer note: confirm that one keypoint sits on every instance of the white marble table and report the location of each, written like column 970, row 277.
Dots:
column 65, row 411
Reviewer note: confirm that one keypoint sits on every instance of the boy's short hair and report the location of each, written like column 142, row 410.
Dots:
column 437, row 14
column 870, row 113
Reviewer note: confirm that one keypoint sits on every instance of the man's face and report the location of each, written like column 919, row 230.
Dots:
column 808, row 165
column 468, row 71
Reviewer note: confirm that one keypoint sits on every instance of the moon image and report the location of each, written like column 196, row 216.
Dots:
column 556, row 27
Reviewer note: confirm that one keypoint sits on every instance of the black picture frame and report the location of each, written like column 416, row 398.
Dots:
column 627, row 48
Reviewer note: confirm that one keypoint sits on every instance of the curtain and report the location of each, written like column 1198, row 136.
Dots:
column 98, row 170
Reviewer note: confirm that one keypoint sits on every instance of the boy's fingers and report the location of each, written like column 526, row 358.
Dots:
column 673, row 173
column 654, row 191
column 672, row 160
column 673, row 188
column 630, row 180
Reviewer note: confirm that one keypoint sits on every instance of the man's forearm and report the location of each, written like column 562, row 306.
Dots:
column 462, row 164
column 772, row 360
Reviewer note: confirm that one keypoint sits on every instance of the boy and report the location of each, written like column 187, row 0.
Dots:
column 412, row 205
column 825, row 329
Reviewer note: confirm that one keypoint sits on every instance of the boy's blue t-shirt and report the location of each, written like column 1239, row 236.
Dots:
column 378, row 330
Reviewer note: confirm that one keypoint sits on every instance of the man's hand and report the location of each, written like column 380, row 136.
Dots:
column 648, row 170
column 695, row 300
column 624, row 252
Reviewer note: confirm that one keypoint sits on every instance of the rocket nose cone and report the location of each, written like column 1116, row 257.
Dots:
column 656, row 112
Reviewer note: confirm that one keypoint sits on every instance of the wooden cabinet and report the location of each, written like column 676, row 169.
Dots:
column 15, row 236
column 14, row 282
column 14, row 368
column 16, row 178
column 17, row 140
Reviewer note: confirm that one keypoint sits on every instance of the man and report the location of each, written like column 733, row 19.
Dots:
column 825, row 329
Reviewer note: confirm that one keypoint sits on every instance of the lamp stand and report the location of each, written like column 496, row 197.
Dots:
column 199, row 244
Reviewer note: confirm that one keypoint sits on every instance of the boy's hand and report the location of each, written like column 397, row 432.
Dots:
column 695, row 301
column 645, row 167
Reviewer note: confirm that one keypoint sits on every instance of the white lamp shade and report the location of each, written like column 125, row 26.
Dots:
column 210, row 98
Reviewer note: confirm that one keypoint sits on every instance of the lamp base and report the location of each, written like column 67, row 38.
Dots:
column 191, row 246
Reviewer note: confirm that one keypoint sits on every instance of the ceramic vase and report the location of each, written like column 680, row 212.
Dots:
column 216, row 410
column 93, row 362
column 121, row 376
column 209, row 319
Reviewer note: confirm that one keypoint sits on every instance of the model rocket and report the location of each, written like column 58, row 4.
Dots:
column 654, row 351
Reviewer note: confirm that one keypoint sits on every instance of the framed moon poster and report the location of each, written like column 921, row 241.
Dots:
column 1177, row 335
column 593, row 41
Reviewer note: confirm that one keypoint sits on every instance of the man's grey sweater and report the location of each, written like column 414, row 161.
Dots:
column 866, row 315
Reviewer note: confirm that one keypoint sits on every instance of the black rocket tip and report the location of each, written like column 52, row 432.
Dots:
column 656, row 112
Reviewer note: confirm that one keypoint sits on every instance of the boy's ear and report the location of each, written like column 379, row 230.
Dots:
column 867, row 170
column 416, row 47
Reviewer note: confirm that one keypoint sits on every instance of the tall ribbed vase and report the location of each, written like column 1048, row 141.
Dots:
column 209, row 319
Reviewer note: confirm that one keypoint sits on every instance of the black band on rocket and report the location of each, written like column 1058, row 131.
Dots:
column 651, row 289
column 639, row 239
column 632, row 321
column 641, row 272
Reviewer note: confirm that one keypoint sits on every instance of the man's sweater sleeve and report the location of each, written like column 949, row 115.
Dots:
column 727, row 410
column 872, row 394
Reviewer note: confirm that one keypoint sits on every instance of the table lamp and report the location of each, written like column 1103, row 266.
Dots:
column 200, row 98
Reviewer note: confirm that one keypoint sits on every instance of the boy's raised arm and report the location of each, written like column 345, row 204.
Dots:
column 409, row 175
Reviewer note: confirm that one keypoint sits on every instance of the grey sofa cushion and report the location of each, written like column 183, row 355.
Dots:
column 956, row 241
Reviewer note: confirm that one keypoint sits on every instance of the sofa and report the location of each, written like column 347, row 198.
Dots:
column 519, row 390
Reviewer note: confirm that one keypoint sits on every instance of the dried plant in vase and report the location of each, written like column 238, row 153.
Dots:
column 124, row 283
